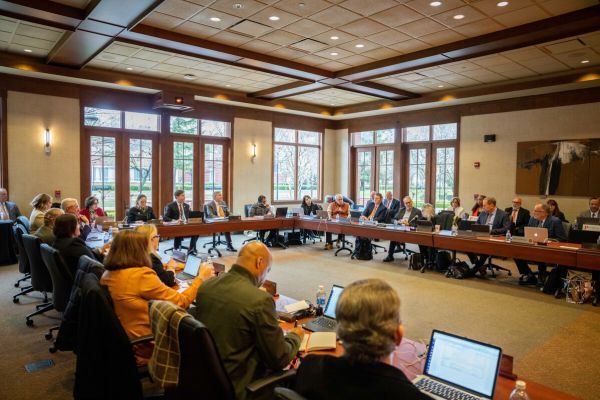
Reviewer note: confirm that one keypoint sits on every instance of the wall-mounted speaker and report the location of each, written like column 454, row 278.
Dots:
column 489, row 138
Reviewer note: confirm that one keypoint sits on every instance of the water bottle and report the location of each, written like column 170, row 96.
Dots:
column 519, row 392
column 320, row 299
column 508, row 237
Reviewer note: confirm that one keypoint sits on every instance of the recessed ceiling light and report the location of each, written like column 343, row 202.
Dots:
column 215, row 19
column 189, row 77
column 440, row 86
column 274, row 18
column 27, row 50
column 585, row 61
column 332, row 104
column 435, row 3
column 502, row 4
column 333, row 54
column 301, row 5
column 458, row 16
column 360, row 46
column 129, row 69
column 227, row 85
column 334, row 37
column 238, row 6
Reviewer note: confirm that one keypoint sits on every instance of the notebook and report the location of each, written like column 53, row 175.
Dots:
column 326, row 323
column 459, row 368
column 319, row 341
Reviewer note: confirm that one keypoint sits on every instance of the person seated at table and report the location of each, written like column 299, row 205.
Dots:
column 392, row 204
column 141, row 211
column 375, row 211
column 593, row 211
column 478, row 206
column 555, row 210
column 71, row 206
column 519, row 217
column 91, row 210
column 309, row 208
column 46, row 231
column 218, row 208
column 455, row 207
column 499, row 222
column 542, row 218
column 178, row 210
column 370, row 329
column 8, row 209
column 132, row 284
column 331, row 199
column 69, row 243
column 262, row 208
column 371, row 199
column 407, row 216
column 40, row 203
column 428, row 214
column 243, row 320
column 165, row 272
column 336, row 209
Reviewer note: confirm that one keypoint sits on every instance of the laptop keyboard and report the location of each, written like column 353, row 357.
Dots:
column 325, row 322
column 444, row 391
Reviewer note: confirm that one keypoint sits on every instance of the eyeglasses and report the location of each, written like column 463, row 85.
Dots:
column 156, row 237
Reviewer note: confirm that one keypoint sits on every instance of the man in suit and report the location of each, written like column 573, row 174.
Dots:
column 218, row 208
column 519, row 217
column 408, row 216
column 243, row 320
column 179, row 210
column 542, row 218
column 392, row 204
column 371, row 199
column 594, row 210
column 71, row 206
column 499, row 222
column 262, row 208
column 375, row 211
column 8, row 209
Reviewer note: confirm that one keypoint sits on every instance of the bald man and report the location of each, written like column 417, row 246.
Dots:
column 519, row 217
column 243, row 320
column 8, row 209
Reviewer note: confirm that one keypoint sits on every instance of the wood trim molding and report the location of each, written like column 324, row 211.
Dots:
column 3, row 138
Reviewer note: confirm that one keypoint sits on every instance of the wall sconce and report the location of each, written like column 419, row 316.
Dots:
column 253, row 152
column 47, row 148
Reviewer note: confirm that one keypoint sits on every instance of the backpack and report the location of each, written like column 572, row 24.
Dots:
column 460, row 270
column 363, row 250
column 554, row 282
column 443, row 260
column 415, row 261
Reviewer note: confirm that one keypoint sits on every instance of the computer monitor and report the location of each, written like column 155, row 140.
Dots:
column 281, row 212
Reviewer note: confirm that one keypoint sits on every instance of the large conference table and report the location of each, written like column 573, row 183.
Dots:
column 568, row 254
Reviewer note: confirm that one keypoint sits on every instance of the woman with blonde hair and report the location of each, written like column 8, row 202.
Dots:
column 165, row 275
column 132, row 284
column 40, row 203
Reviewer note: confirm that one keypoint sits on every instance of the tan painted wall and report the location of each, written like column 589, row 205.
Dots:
column 340, row 160
column 497, row 175
column 30, row 171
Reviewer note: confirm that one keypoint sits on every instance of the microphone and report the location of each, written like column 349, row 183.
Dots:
column 413, row 218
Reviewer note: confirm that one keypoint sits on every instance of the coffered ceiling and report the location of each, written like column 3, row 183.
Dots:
column 329, row 55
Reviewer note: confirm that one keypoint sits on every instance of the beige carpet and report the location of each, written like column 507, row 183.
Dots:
column 554, row 343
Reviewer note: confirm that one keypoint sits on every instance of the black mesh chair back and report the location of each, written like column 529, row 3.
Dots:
column 444, row 219
column 247, row 208
column 62, row 280
column 21, row 220
column 40, row 277
column 88, row 264
column 287, row 394
column 201, row 369
column 19, row 231
column 8, row 247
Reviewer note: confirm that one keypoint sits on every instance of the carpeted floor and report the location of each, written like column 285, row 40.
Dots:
column 554, row 343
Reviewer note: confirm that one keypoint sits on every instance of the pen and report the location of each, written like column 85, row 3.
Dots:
column 295, row 323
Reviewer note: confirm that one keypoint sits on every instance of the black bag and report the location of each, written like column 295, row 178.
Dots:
column 443, row 260
column 292, row 238
column 363, row 249
column 415, row 261
column 554, row 280
column 460, row 270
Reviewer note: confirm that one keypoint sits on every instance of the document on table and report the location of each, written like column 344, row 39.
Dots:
column 294, row 307
column 318, row 341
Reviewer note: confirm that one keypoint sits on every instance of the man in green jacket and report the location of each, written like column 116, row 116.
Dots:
column 243, row 320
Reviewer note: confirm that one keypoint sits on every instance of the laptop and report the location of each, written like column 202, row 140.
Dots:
column 480, row 228
column 459, row 368
column 192, row 266
column 322, row 214
column 281, row 212
column 355, row 214
column 581, row 221
column 424, row 226
column 536, row 235
column 299, row 211
column 327, row 322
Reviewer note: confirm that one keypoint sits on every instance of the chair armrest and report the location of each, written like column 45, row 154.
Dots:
column 142, row 339
column 278, row 377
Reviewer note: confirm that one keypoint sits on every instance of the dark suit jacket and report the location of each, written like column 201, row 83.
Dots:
column 211, row 209
column 172, row 211
column 325, row 377
column 522, row 220
column 243, row 322
column 167, row 277
column 13, row 210
column 415, row 212
column 71, row 249
column 394, row 207
column 135, row 214
column 380, row 214
column 501, row 222
column 554, row 226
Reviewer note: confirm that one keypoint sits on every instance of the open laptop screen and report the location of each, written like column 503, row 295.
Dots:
column 463, row 362
column 334, row 296
column 192, row 265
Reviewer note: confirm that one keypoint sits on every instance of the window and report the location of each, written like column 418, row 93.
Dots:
column 296, row 164
column 100, row 117
column 365, row 175
column 186, row 126
column 183, row 169
column 141, row 121
column 417, row 168
column 214, row 128
column 140, row 170
column 103, row 161
column 375, row 160
column 444, row 177
column 416, row 134
column 213, row 170
column 383, row 136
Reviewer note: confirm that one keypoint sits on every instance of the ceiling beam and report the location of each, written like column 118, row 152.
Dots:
column 562, row 26
column 43, row 9
column 289, row 89
column 378, row 90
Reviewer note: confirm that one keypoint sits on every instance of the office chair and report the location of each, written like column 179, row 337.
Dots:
column 62, row 282
column 287, row 394
column 247, row 208
column 493, row 268
column 24, row 266
column 401, row 248
column 342, row 239
column 8, row 247
column 22, row 220
column 40, row 277
column 376, row 246
column 216, row 239
column 173, row 248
